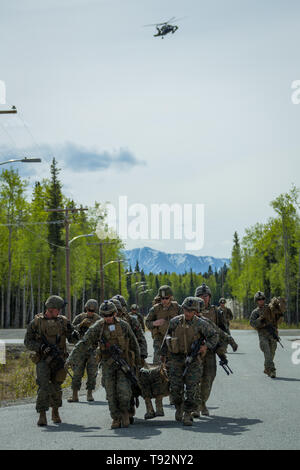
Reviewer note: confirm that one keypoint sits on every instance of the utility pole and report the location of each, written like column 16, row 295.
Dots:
column 101, row 267
column 120, row 283
column 67, row 227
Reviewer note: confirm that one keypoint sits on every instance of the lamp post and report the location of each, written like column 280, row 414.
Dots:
column 12, row 110
column 23, row 160
column 68, row 271
column 116, row 261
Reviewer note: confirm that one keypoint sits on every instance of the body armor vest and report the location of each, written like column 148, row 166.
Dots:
column 53, row 329
column 186, row 335
column 115, row 336
column 211, row 313
column 166, row 314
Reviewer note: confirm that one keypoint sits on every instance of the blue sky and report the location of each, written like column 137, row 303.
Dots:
column 203, row 116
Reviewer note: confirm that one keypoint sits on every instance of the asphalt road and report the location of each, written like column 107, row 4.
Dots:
column 248, row 411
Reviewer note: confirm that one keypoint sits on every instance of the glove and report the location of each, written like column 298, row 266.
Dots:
column 76, row 335
column 45, row 350
column 233, row 344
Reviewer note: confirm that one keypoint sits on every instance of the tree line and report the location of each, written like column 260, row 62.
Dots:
column 33, row 252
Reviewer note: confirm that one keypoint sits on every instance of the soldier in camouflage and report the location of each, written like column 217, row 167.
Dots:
column 135, row 326
column 227, row 313
column 159, row 316
column 56, row 328
column 82, row 323
column 134, row 311
column 221, row 349
column 212, row 313
column 261, row 319
column 139, row 334
column 183, row 330
column 109, row 331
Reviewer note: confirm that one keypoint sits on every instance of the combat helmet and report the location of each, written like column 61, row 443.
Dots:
column 134, row 307
column 191, row 303
column 121, row 299
column 117, row 303
column 203, row 289
column 107, row 307
column 222, row 300
column 92, row 304
column 165, row 291
column 54, row 301
column 259, row 296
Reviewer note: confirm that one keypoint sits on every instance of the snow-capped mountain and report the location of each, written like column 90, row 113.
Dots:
column 157, row 261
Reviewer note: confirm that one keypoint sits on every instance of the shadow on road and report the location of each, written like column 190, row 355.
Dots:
column 143, row 430
column 287, row 379
column 66, row 427
column 91, row 403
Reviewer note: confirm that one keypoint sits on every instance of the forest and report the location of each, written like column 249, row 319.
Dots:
column 34, row 241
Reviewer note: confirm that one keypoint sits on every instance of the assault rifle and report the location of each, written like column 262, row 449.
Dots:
column 270, row 329
column 54, row 355
column 115, row 352
column 195, row 348
column 224, row 363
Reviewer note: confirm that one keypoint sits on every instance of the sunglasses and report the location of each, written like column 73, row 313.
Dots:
column 108, row 315
column 165, row 298
column 91, row 310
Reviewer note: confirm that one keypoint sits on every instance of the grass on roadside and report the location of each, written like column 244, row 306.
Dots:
column 18, row 378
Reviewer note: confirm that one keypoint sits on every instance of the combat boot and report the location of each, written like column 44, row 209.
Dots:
column 42, row 419
column 150, row 410
column 204, row 410
column 89, row 395
column 116, row 423
column 125, row 419
column 187, row 419
column 196, row 413
column 273, row 374
column 55, row 416
column 74, row 398
column 159, row 406
column 179, row 412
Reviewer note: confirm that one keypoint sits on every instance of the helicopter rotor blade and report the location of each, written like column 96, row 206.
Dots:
column 160, row 24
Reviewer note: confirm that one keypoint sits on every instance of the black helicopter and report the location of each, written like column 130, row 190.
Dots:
column 166, row 28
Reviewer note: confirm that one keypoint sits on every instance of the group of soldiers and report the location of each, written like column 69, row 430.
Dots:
column 187, row 339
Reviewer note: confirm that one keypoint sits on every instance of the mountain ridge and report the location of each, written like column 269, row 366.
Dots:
column 155, row 261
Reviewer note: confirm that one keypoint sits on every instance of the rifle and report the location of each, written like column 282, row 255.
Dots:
column 224, row 363
column 195, row 348
column 55, row 355
column 270, row 329
column 115, row 353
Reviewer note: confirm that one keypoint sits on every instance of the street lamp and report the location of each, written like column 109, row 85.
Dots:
column 68, row 272
column 23, row 160
column 13, row 110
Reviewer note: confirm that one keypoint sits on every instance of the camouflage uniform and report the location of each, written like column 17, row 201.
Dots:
column 227, row 313
column 134, row 312
column 82, row 323
column 158, row 332
column 260, row 318
column 56, row 332
column 117, row 386
column 212, row 313
column 180, row 336
column 135, row 326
